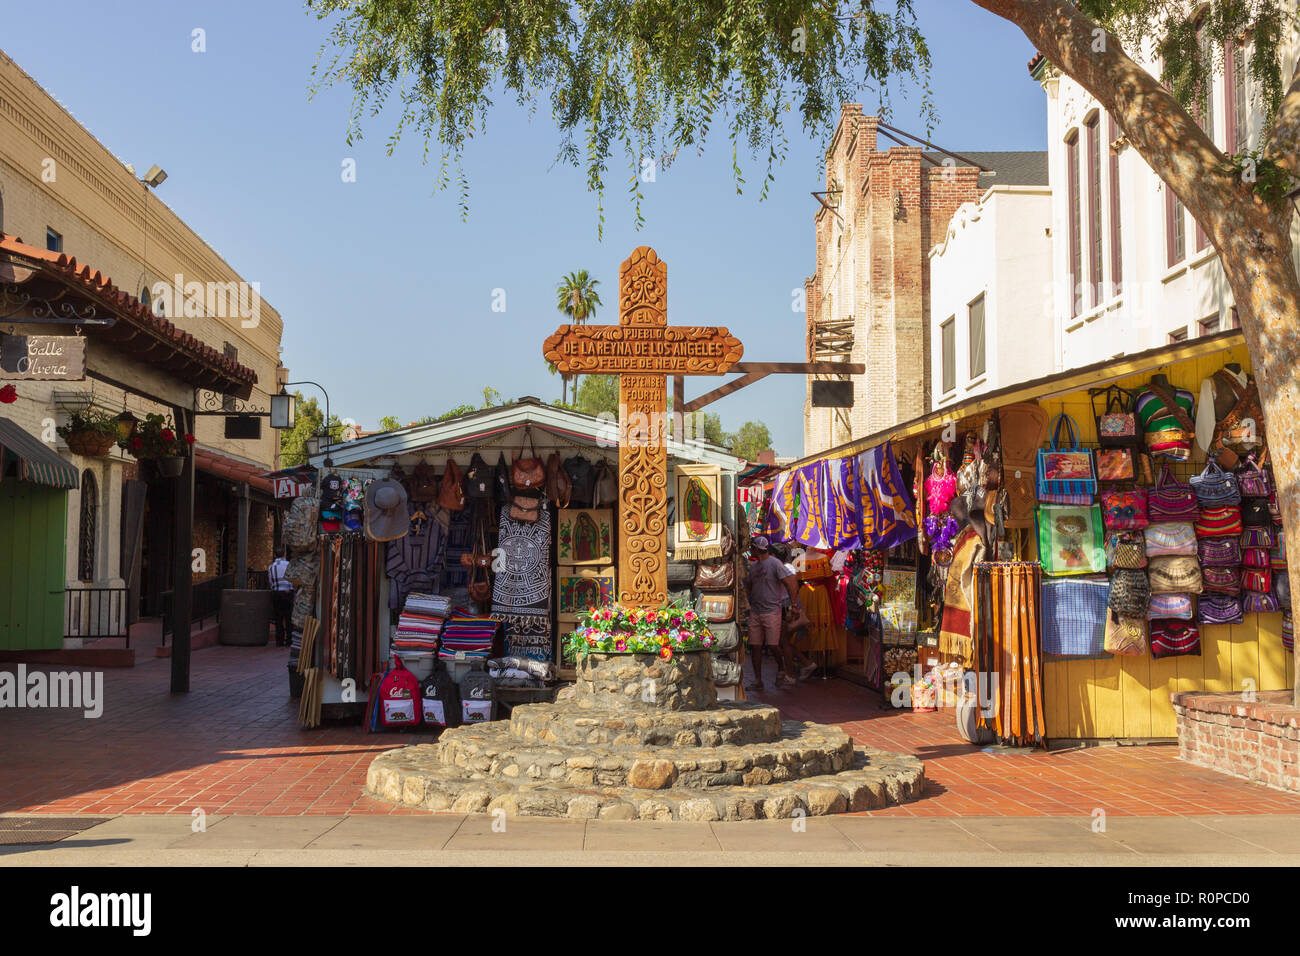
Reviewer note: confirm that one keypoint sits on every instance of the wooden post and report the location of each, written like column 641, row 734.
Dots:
column 241, row 547
column 182, row 576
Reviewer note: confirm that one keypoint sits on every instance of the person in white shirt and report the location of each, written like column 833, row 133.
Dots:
column 281, row 598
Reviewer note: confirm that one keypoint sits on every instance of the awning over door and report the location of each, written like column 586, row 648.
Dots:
column 28, row 459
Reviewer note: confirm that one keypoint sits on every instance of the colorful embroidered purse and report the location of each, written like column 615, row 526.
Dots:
column 1255, row 558
column 1257, row 579
column 1175, row 575
column 1126, row 549
column 1215, row 487
column 1259, row 602
column 1125, row 635
column 1219, row 522
column 1175, row 638
column 1219, row 609
column 1253, row 481
column 1170, row 537
column 1130, row 593
column 1219, row 552
column 1170, row 606
column 1221, row 580
column 1171, row 500
column 1115, row 464
column 1259, row 537
column 1124, row 510
column 1065, row 475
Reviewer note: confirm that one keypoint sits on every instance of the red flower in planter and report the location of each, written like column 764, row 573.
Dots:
column 167, row 435
column 8, row 394
column 137, row 443
column 189, row 439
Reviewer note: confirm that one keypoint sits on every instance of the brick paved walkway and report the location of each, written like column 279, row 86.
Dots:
column 233, row 746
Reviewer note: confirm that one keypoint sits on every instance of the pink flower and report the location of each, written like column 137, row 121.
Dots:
column 690, row 615
column 620, row 645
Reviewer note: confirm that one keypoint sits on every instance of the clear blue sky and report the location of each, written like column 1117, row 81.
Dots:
column 386, row 294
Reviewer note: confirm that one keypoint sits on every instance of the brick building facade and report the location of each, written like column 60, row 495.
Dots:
column 869, row 299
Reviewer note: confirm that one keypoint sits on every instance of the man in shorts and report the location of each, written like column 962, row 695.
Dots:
column 768, row 581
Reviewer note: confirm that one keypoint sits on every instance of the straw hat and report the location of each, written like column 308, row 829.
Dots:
column 386, row 514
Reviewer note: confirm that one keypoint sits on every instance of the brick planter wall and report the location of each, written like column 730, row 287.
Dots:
column 1257, row 741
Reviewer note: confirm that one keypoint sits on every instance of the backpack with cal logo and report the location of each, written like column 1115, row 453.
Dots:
column 399, row 698
column 440, row 698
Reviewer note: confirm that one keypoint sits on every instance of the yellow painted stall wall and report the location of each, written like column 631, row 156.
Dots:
column 1129, row 696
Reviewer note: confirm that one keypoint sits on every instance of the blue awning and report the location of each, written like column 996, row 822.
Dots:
column 28, row 459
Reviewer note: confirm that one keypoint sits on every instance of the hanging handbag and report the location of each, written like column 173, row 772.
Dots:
column 1219, row 522
column 1257, row 579
column 1260, row 536
column 1174, row 606
column 1117, row 426
column 1219, row 609
column 941, row 486
column 1070, row 539
column 1254, row 513
column 1074, row 617
column 1126, row 549
column 528, row 474
column 1259, row 602
column 1170, row 538
column 502, row 479
column 480, row 479
column 1221, row 580
column 726, row 637
column 1277, row 554
column 526, row 508
column 451, row 491
column 581, row 474
column 1253, row 481
column 1115, row 464
column 558, row 487
column 1065, row 474
column 424, row 483
column 1219, row 552
column 605, row 480
column 681, row 574
column 717, row 607
column 1171, row 500
column 715, row 575
column 1288, row 632
column 1255, row 558
column 1124, row 510
column 1130, row 593
column 1282, row 588
column 1175, row 575
column 1125, row 635
column 1215, row 487
column 1175, row 638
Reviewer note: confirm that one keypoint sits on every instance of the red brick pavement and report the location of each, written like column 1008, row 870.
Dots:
column 233, row 745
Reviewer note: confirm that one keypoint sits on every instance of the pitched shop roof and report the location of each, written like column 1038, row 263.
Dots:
column 137, row 328
column 1013, row 167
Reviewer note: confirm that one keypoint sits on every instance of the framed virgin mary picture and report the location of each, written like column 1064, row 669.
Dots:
column 580, row 589
column 585, row 536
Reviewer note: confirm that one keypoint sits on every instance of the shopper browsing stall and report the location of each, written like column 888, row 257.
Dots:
column 768, row 581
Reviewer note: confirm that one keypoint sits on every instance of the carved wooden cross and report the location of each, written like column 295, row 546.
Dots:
column 642, row 350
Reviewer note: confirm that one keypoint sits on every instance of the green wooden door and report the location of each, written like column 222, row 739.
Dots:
column 33, row 523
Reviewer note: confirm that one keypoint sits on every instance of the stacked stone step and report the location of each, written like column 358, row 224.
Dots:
column 643, row 739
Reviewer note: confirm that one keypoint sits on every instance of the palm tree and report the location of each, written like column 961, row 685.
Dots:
column 576, row 297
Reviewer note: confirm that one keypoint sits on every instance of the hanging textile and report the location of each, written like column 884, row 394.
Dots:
column 886, row 512
column 1008, row 644
column 521, row 593
column 955, row 637
column 828, row 513
column 415, row 560
column 697, row 530
column 826, row 632
column 781, row 507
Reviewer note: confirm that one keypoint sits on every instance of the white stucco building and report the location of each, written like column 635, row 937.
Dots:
column 991, row 319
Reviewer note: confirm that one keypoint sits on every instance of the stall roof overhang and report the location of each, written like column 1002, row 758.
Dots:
column 34, row 461
column 491, row 423
column 53, row 277
column 1097, row 375
column 233, row 470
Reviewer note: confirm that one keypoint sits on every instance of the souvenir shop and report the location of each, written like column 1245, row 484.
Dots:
column 1065, row 552
column 468, row 548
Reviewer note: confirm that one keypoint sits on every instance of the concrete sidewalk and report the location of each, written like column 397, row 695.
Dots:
column 475, row 840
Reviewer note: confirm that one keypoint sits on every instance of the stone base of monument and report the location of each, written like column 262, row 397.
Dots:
column 637, row 754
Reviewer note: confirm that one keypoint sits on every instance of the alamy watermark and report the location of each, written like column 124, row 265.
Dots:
column 78, row 690
column 221, row 300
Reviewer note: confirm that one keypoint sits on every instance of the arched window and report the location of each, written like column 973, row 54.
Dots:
column 89, row 522
column 144, row 298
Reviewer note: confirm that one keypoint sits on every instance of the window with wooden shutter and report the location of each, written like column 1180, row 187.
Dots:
column 976, row 331
column 948, row 335
column 1094, row 209
column 1072, row 201
column 1116, row 256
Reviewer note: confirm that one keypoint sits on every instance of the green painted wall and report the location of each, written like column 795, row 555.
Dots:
column 33, row 522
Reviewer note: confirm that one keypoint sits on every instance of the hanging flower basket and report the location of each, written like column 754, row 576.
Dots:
column 89, row 433
column 155, row 438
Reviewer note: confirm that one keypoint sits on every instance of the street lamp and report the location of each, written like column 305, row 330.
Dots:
column 284, row 409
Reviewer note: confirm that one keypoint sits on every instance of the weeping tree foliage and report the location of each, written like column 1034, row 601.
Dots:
column 626, row 81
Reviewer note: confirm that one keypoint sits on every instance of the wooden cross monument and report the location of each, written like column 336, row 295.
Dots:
column 642, row 350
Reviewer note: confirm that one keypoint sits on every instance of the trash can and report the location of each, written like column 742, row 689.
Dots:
column 245, row 618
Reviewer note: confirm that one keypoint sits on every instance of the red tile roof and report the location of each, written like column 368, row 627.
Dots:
column 216, row 371
column 215, row 463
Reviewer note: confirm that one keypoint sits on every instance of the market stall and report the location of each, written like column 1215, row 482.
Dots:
column 475, row 544
column 1083, row 545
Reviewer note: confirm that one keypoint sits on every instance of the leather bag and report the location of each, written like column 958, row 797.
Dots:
column 558, row 487
column 717, row 606
column 528, row 474
column 526, row 508
column 480, row 479
column 716, row 575
column 451, row 492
